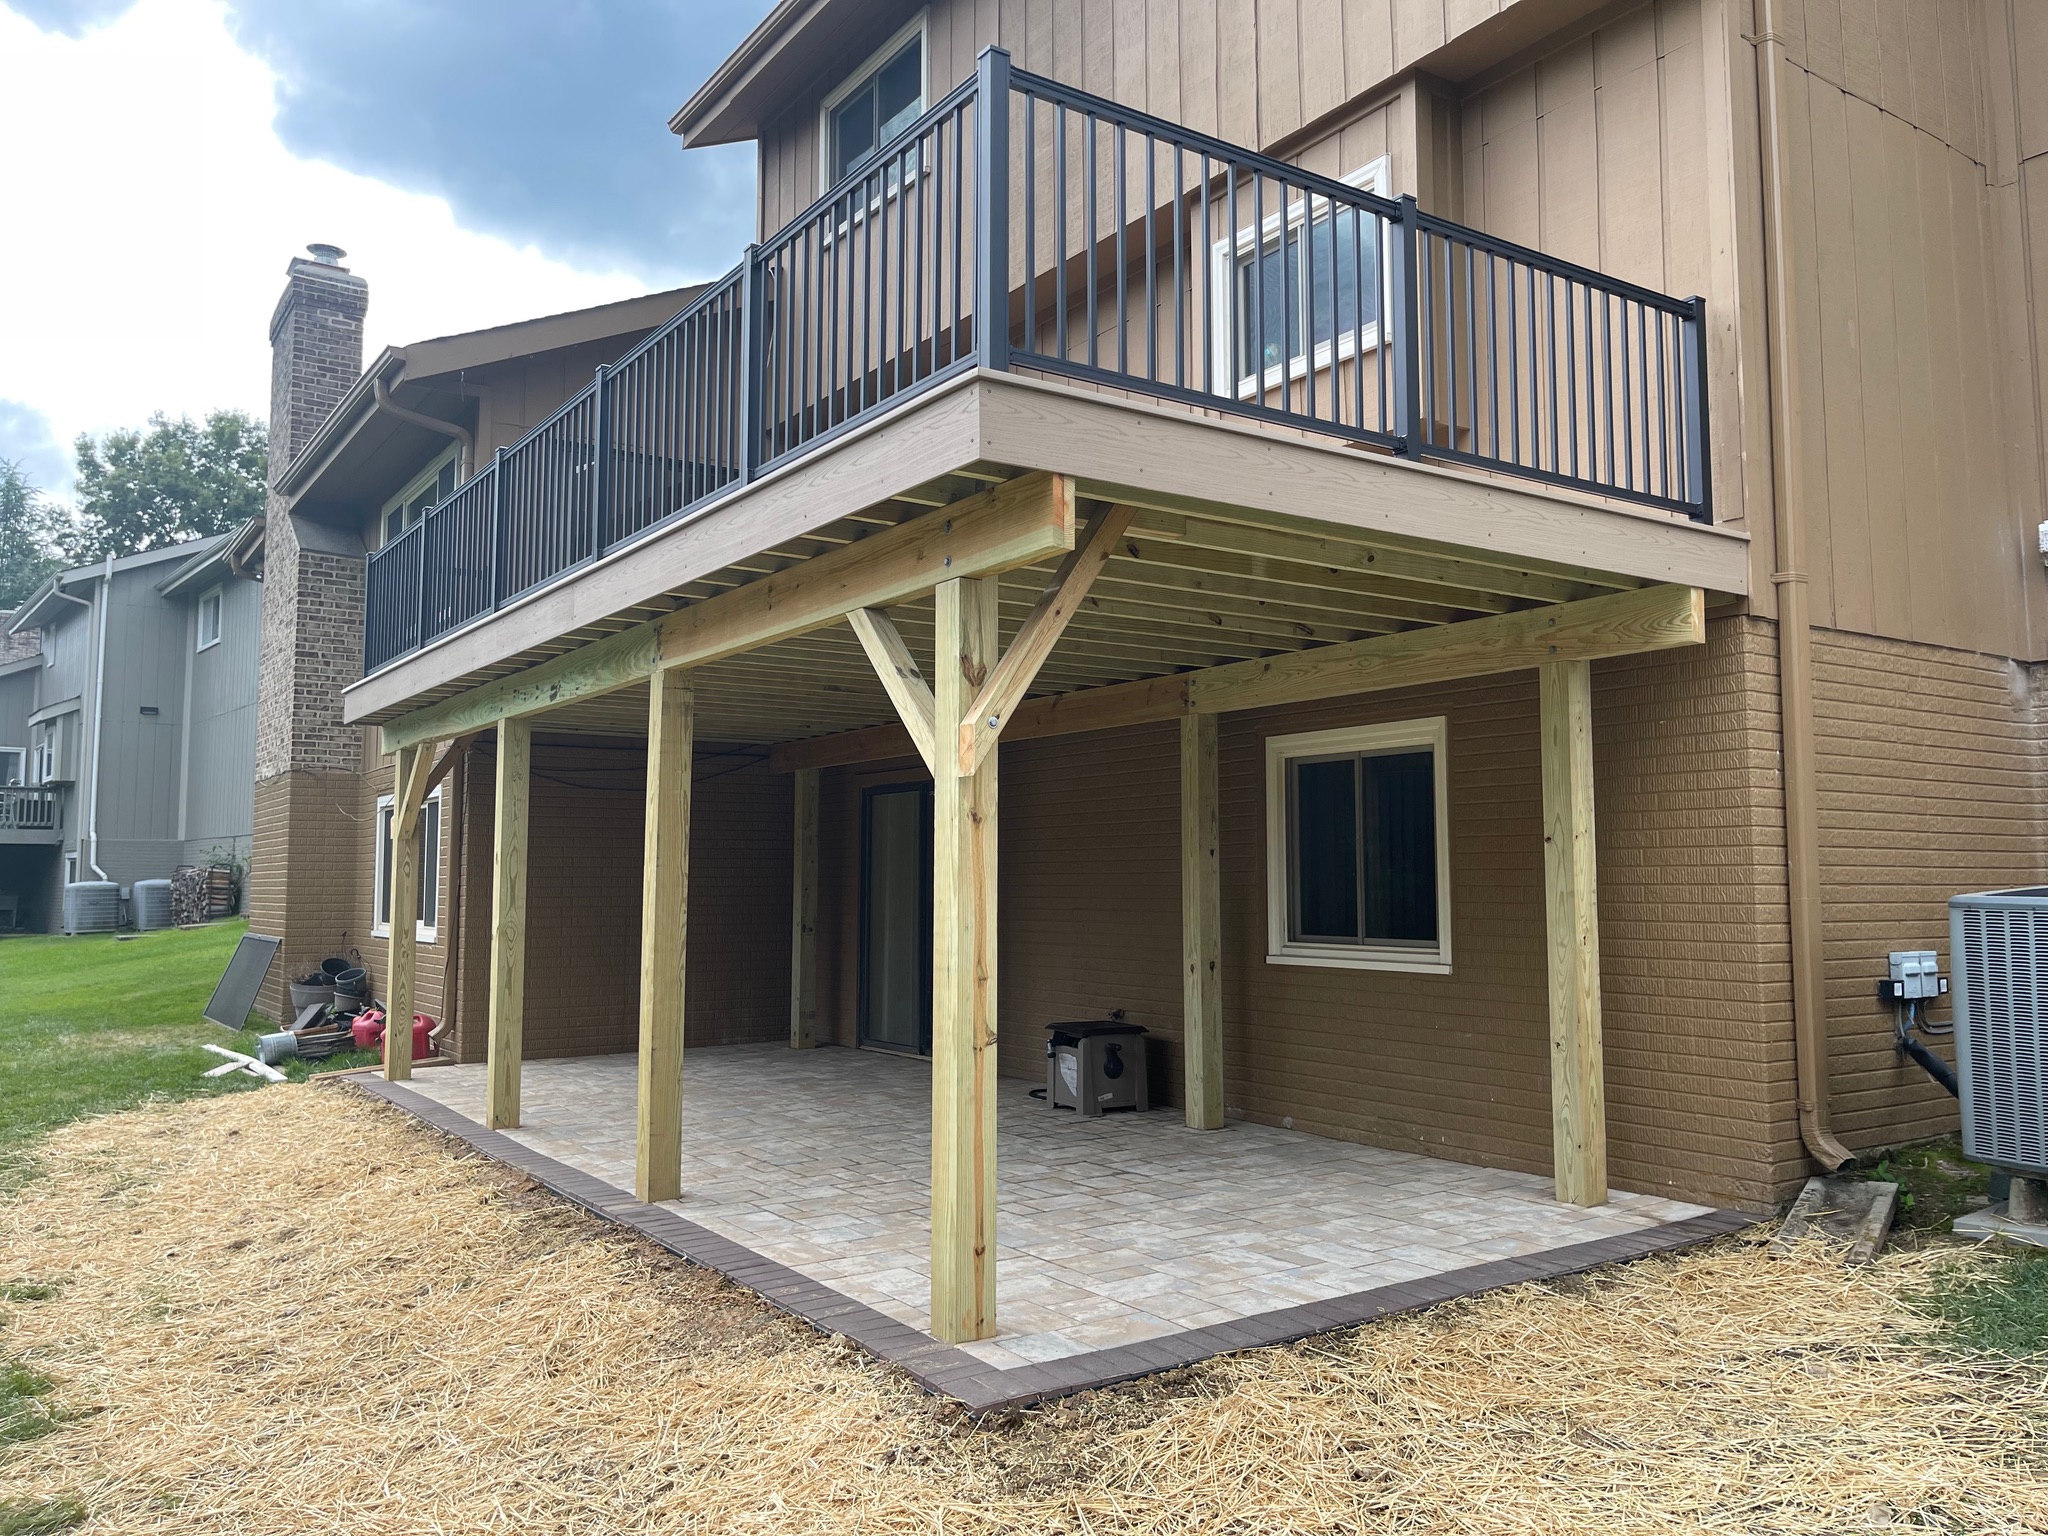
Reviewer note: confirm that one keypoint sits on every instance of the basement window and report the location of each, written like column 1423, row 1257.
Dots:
column 430, row 868
column 1358, row 848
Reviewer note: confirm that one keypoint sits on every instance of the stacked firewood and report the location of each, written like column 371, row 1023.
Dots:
column 201, row 893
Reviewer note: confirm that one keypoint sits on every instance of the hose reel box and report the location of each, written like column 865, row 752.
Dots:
column 1096, row 1065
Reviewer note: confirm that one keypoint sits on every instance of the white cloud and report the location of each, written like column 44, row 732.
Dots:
column 152, row 209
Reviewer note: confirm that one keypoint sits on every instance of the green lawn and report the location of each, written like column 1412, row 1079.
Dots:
column 97, row 1022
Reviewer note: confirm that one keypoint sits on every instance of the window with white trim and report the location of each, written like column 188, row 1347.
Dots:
column 1273, row 311
column 1358, row 848
column 428, row 911
column 424, row 492
column 209, row 620
column 877, row 101
column 13, row 765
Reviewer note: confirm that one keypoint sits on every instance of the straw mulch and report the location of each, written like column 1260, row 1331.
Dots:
column 294, row 1310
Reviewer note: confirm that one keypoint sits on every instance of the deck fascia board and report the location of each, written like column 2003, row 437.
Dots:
column 1144, row 453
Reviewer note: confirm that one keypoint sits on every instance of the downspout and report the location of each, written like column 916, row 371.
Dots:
column 466, row 443
column 1795, row 637
column 99, row 715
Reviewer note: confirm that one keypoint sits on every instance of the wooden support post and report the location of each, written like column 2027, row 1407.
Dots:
column 508, row 925
column 1577, row 1092
column 664, row 929
column 1201, row 926
column 803, row 916
column 408, row 791
column 963, row 982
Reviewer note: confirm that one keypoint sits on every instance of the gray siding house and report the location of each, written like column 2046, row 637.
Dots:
column 130, row 726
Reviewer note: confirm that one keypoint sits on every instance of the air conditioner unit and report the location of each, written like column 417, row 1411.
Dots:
column 1999, row 941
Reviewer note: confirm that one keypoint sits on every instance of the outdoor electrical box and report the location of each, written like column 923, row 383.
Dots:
column 1915, row 976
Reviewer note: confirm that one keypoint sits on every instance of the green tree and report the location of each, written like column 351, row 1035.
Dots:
column 171, row 482
column 31, row 532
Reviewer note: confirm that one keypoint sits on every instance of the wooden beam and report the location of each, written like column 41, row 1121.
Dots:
column 600, row 667
column 1011, row 678
column 664, row 932
column 1018, row 523
column 963, row 1294
column 1620, row 624
column 450, row 755
column 508, row 925
column 409, row 783
column 1616, row 625
column 1201, row 926
column 1060, row 714
column 803, row 919
column 1572, row 919
column 901, row 678
column 402, row 947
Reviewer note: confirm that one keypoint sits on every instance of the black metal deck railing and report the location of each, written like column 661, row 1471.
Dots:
column 1117, row 248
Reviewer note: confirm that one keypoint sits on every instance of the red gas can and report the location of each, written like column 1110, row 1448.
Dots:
column 368, row 1031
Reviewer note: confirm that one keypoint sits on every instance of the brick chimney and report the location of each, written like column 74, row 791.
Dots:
column 310, row 833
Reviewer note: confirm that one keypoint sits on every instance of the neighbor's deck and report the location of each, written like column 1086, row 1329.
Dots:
column 1127, row 1243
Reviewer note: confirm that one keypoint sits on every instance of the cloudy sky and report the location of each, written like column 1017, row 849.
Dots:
column 480, row 161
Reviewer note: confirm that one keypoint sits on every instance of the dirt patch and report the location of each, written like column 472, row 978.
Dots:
column 295, row 1311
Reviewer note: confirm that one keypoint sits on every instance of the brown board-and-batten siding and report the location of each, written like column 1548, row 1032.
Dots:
column 1697, row 1002
column 583, row 900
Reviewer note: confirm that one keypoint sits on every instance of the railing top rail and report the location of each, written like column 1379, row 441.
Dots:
column 849, row 184
column 1026, row 83
column 681, row 317
column 1556, row 265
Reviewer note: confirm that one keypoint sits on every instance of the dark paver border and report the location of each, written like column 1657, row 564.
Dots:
column 980, row 1387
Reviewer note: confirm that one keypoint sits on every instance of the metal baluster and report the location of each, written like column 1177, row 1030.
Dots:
column 1514, row 374
column 1471, row 352
column 1059, row 240
column 1088, row 223
column 1258, row 296
column 1550, row 302
column 1123, row 263
column 1308, row 302
column 1628, row 431
column 1180, row 282
column 1694, row 337
column 1030, row 223
column 1151, row 266
column 1663, row 418
column 1407, row 377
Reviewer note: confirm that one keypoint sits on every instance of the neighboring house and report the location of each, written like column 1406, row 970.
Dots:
column 134, row 714
column 1474, row 696
column 357, row 456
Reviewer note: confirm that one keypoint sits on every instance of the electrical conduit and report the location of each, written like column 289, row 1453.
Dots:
column 1795, row 637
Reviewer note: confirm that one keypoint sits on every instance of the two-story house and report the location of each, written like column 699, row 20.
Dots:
column 127, row 723
column 1470, row 566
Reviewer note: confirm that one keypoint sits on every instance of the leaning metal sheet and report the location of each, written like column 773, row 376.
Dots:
column 236, row 994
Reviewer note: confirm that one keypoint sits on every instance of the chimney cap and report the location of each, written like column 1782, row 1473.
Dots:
column 326, row 255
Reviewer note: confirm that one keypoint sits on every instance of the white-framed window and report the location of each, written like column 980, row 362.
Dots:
column 424, row 492
column 428, row 913
column 1271, row 311
column 13, row 765
column 209, row 620
column 43, row 751
column 1358, row 848
column 874, row 104
column 71, row 869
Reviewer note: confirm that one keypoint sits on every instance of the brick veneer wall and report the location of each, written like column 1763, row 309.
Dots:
column 307, row 760
column 1931, row 785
